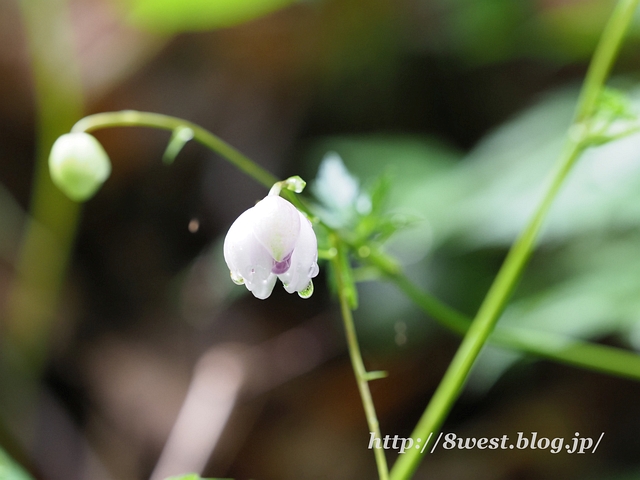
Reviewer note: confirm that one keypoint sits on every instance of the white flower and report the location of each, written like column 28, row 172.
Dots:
column 272, row 240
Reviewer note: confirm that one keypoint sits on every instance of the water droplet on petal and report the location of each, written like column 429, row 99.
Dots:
column 237, row 279
column 307, row 292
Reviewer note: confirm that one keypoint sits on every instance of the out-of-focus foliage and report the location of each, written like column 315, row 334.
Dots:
column 583, row 282
column 497, row 30
column 374, row 210
column 424, row 70
column 339, row 193
column 10, row 470
column 171, row 16
column 193, row 476
column 12, row 217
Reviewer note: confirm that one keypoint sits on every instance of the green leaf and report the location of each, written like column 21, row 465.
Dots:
column 616, row 102
column 338, row 192
column 171, row 16
column 10, row 470
column 615, row 118
column 191, row 476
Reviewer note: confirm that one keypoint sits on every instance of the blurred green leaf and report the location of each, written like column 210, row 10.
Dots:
column 484, row 31
column 10, row 470
column 391, row 166
column 194, row 476
column 583, row 281
column 570, row 30
column 614, row 119
column 486, row 199
column 171, row 16
column 12, row 217
column 338, row 192
column 615, row 102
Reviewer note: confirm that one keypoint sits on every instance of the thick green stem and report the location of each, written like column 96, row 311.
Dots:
column 362, row 378
column 507, row 278
column 482, row 326
column 50, row 230
column 603, row 58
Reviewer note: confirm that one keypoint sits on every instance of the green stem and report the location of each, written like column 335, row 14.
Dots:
column 549, row 345
column 603, row 58
column 131, row 118
column 441, row 312
column 359, row 370
column 51, row 227
column 552, row 346
column 511, row 270
column 49, row 232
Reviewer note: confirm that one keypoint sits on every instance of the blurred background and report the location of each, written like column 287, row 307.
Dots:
column 127, row 353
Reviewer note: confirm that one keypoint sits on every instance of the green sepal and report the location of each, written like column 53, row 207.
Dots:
column 179, row 138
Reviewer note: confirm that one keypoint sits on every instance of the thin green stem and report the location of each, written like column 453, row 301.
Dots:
column 359, row 370
column 549, row 345
column 511, row 270
column 441, row 312
column 601, row 358
column 131, row 118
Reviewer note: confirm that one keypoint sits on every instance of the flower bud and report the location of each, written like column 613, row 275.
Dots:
column 78, row 165
column 272, row 240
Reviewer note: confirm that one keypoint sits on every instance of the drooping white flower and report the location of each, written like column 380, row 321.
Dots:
column 272, row 240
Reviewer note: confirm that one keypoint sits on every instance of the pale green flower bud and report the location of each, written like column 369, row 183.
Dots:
column 78, row 165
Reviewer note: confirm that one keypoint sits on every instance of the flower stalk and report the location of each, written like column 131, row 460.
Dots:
column 516, row 260
column 362, row 376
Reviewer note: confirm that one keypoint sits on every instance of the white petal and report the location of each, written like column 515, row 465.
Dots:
column 276, row 225
column 304, row 261
column 246, row 258
column 263, row 288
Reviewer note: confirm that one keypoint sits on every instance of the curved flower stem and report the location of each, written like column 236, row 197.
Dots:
column 361, row 374
column 131, row 118
column 511, row 270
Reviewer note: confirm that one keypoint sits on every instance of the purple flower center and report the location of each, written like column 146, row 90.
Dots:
column 281, row 267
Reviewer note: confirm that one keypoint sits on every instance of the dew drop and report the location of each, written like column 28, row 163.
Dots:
column 237, row 279
column 295, row 184
column 307, row 292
